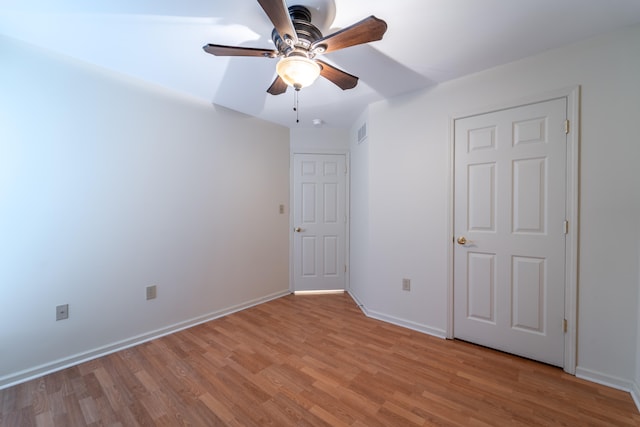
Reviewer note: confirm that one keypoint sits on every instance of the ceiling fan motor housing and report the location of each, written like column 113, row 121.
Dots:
column 307, row 33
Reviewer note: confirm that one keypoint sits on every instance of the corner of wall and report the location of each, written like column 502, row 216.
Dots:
column 610, row 381
column 359, row 260
column 635, row 390
column 425, row 329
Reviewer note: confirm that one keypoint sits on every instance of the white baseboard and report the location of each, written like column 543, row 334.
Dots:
column 635, row 394
column 610, row 381
column 57, row 365
column 587, row 374
column 436, row 332
column 604, row 379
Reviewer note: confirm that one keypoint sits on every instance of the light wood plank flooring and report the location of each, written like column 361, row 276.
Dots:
column 311, row 361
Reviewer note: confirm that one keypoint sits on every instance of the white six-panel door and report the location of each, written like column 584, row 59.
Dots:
column 319, row 221
column 509, row 204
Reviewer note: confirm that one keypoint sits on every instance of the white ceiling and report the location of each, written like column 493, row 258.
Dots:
column 427, row 42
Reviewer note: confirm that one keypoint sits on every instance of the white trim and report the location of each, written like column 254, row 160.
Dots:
column 450, row 227
column 436, row 332
column 572, row 95
column 322, row 292
column 571, row 248
column 633, row 388
column 635, row 394
column 359, row 303
column 38, row 371
column 347, row 239
column 605, row 380
column 292, row 154
column 296, row 150
column 518, row 102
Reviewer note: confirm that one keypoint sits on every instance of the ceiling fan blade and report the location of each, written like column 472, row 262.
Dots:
column 221, row 50
column 278, row 86
column 368, row 30
column 278, row 13
column 340, row 78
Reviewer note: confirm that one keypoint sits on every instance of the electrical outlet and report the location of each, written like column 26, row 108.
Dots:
column 62, row 312
column 281, row 209
column 406, row 284
column 151, row 292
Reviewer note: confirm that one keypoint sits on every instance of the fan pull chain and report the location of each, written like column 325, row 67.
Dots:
column 295, row 105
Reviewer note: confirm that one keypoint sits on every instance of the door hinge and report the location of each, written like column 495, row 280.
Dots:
column 345, row 268
column 565, row 326
column 565, row 226
column 566, row 127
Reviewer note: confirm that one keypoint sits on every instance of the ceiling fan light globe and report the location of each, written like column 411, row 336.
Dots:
column 298, row 71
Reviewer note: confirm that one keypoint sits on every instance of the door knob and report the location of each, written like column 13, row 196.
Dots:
column 297, row 229
column 462, row 240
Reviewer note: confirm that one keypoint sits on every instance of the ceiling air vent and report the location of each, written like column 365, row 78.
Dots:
column 362, row 133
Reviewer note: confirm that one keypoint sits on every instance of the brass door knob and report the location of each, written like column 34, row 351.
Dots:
column 462, row 240
column 297, row 229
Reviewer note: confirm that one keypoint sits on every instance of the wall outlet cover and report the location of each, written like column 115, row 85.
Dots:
column 62, row 312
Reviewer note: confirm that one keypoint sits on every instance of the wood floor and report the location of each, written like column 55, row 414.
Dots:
column 311, row 361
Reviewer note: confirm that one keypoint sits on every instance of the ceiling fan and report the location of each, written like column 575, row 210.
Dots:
column 298, row 43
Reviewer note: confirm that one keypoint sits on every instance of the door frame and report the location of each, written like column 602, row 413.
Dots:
column 332, row 151
column 572, row 96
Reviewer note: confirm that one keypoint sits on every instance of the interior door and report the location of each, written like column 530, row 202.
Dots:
column 319, row 222
column 509, row 225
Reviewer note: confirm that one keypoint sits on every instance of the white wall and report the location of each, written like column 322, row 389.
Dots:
column 108, row 185
column 407, row 158
column 359, row 215
column 319, row 140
